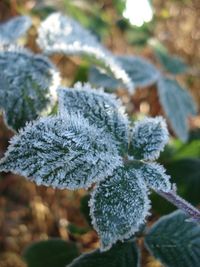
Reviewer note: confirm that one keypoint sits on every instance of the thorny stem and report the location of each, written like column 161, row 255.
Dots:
column 181, row 204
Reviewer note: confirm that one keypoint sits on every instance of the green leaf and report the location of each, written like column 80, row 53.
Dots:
column 99, row 77
column 50, row 253
column 141, row 72
column 140, row 36
column 186, row 174
column 175, row 241
column 102, row 110
column 119, row 5
column 42, row 11
column 173, row 64
column 120, row 255
column 119, row 206
column 149, row 137
column 85, row 209
column 13, row 29
column 90, row 16
column 62, row 152
column 62, row 34
column 188, row 150
column 194, row 135
column 73, row 229
column 177, row 104
column 155, row 177
column 29, row 84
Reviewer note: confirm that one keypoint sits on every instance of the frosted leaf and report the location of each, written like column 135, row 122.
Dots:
column 175, row 240
column 171, row 63
column 99, row 77
column 31, row 81
column 13, row 29
column 62, row 34
column 3, row 83
column 155, row 177
column 101, row 109
column 124, row 254
column 149, row 136
column 177, row 104
column 119, row 206
column 63, row 152
column 141, row 72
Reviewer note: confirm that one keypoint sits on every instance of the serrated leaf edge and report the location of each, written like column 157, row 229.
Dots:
column 134, row 229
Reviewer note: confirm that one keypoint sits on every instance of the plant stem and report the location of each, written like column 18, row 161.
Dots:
column 181, row 204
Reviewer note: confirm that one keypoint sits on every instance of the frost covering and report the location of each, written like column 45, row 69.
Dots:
column 155, row 177
column 86, row 143
column 29, row 84
column 13, row 29
column 141, row 72
column 149, row 136
column 63, row 152
column 103, row 110
column 118, row 206
column 62, row 34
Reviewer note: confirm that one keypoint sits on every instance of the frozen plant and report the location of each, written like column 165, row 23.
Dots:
column 29, row 81
column 89, row 141
column 11, row 30
column 61, row 34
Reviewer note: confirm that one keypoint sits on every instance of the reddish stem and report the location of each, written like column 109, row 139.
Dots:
column 182, row 204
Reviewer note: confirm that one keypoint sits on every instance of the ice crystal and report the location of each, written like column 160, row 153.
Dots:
column 101, row 109
column 30, row 83
column 62, row 34
column 13, row 29
column 118, row 206
column 63, row 152
column 149, row 136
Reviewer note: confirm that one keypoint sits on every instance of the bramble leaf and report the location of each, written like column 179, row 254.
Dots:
column 99, row 77
column 175, row 241
column 177, row 104
column 141, row 72
column 155, row 177
column 62, row 152
column 149, row 136
column 50, row 253
column 13, row 29
column 173, row 64
column 119, row 206
column 29, row 84
column 124, row 254
column 101, row 109
column 61, row 34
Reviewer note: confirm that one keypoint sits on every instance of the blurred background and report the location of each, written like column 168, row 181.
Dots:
column 165, row 32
